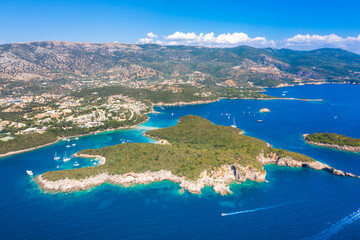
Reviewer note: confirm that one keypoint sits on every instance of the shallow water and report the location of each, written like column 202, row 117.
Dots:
column 308, row 204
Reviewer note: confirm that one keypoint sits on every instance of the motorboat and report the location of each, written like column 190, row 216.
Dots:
column 233, row 125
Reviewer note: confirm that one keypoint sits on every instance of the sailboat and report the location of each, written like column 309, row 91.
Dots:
column 56, row 157
column 65, row 158
column 233, row 125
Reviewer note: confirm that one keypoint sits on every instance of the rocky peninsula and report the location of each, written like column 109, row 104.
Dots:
column 198, row 154
column 333, row 140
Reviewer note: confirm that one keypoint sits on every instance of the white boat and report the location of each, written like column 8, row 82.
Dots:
column 76, row 164
column 172, row 114
column 68, row 146
column 76, row 138
column 65, row 158
column 29, row 172
column 74, row 144
column 56, row 157
column 68, row 140
column 234, row 124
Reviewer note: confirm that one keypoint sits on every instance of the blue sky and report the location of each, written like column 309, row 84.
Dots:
column 276, row 23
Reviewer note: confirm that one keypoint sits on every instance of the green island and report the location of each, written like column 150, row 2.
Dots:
column 333, row 140
column 194, row 153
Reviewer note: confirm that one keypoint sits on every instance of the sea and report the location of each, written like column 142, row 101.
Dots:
column 294, row 203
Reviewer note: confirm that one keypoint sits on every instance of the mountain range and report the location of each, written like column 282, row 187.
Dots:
column 69, row 61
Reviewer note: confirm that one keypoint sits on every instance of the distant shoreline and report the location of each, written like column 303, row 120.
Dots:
column 312, row 83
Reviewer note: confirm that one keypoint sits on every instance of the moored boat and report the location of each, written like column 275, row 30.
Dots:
column 65, row 158
column 56, row 157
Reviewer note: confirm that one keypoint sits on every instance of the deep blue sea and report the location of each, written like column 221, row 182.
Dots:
column 293, row 204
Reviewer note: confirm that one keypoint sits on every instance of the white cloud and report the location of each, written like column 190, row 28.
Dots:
column 299, row 42
column 181, row 36
column 308, row 42
column 152, row 35
column 211, row 40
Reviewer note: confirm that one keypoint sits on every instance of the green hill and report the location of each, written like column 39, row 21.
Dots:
column 196, row 145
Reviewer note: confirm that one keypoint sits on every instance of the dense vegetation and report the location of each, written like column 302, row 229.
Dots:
column 196, row 145
column 25, row 141
column 333, row 138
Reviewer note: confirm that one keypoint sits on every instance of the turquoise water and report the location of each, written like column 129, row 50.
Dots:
column 294, row 204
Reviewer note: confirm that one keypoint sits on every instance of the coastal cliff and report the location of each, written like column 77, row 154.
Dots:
column 274, row 158
column 219, row 180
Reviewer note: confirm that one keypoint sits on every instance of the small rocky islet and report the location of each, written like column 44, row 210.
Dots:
column 194, row 153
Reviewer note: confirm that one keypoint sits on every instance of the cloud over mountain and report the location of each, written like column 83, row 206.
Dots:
column 298, row 42
column 210, row 40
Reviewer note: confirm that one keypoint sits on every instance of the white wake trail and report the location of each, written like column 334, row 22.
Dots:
column 252, row 210
column 336, row 227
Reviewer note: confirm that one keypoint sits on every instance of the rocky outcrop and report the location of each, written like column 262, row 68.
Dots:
column 274, row 158
column 218, row 179
column 264, row 110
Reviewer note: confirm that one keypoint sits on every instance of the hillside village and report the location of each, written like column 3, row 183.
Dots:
column 36, row 114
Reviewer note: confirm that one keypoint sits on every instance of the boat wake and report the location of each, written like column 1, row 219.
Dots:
column 252, row 210
column 336, row 227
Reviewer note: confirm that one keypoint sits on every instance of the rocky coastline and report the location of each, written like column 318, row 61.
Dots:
column 290, row 162
column 334, row 146
column 218, row 179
